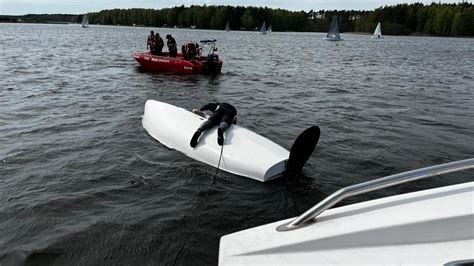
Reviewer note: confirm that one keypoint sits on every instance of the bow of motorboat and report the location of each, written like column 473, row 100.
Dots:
column 433, row 226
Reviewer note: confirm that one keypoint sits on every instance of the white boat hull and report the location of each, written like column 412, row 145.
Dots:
column 430, row 227
column 245, row 153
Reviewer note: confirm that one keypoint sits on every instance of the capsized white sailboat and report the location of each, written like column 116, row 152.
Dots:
column 429, row 227
column 333, row 33
column 245, row 153
column 85, row 21
column 263, row 29
column 377, row 32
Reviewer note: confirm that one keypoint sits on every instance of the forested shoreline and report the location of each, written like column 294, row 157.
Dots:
column 402, row 19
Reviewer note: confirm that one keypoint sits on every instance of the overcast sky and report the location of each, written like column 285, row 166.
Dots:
column 21, row 7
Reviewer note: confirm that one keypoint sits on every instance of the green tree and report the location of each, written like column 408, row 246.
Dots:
column 248, row 21
column 434, row 19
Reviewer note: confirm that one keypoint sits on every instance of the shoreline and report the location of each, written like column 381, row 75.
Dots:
column 187, row 28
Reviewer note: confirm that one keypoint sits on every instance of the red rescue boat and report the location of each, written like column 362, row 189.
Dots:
column 209, row 64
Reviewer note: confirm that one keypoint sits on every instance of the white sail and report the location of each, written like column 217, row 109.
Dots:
column 333, row 33
column 85, row 21
column 270, row 28
column 227, row 28
column 377, row 32
column 263, row 29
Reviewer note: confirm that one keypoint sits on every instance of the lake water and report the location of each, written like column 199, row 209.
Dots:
column 81, row 182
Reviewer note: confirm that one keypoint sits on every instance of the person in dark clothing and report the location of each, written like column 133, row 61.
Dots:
column 184, row 48
column 190, row 51
column 149, row 42
column 158, row 43
column 172, row 47
column 223, row 115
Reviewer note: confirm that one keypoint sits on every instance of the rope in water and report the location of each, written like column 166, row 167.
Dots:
column 218, row 164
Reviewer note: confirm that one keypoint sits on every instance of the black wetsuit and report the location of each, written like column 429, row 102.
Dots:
column 222, row 112
column 223, row 116
column 173, row 50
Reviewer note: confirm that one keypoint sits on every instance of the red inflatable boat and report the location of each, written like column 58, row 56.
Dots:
column 209, row 64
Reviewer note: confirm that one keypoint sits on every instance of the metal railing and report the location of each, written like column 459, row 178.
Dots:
column 310, row 215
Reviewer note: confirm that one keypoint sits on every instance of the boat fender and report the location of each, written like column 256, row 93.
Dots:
column 302, row 148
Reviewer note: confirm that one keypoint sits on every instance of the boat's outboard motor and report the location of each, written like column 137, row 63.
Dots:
column 212, row 64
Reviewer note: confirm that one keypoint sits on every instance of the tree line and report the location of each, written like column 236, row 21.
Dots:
column 402, row 19
column 434, row 19
column 43, row 18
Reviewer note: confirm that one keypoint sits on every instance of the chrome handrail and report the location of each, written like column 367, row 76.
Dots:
column 310, row 215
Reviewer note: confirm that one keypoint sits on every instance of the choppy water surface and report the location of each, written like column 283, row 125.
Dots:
column 81, row 182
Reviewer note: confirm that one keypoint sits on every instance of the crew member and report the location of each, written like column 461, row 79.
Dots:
column 150, row 40
column 223, row 115
column 173, row 50
column 184, row 49
column 158, row 44
column 190, row 51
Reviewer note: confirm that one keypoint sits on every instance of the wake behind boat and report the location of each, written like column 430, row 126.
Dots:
column 245, row 153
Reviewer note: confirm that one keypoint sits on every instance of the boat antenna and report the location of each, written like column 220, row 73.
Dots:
column 218, row 165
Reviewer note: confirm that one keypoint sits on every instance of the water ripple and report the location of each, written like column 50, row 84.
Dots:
column 81, row 182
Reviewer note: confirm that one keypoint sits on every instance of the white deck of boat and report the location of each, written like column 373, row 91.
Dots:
column 430, row 227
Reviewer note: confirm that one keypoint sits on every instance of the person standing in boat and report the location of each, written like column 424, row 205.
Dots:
column 149, row 42
column 172, row 46
column 158, row 44
column 223, row 115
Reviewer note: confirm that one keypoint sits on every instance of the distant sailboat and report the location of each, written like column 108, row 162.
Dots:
column 85, row 21
column 263, row 29
column 270, row 29
column 227, row 28
column 377, row 32
column 333, row 33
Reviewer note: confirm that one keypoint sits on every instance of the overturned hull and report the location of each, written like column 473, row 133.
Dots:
column 244, row 153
